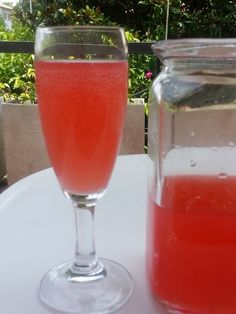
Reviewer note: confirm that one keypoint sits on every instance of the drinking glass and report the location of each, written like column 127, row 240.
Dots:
column 81, row 81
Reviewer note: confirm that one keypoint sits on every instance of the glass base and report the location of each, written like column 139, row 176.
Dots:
column 101, row 296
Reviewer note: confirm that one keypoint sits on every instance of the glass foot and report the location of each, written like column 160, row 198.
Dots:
column 104, row 295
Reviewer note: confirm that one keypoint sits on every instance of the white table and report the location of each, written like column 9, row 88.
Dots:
column 37, row 232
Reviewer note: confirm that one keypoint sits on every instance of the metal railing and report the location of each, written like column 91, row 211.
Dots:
column 28, row 47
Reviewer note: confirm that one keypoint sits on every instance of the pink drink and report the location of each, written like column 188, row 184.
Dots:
column 82, row 107
column 192, row 234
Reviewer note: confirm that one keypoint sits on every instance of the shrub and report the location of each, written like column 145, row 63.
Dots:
column 17, row 75
column 144, row 20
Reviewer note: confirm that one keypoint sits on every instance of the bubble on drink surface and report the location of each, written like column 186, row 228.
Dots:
column 193, row 163
column 231, row 143
column 172, row 237
column 222, row 175
column 192, row 134
column 191, row 204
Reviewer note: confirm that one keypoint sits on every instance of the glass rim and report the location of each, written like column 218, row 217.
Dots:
column 80, row 27
column 66, row 46
column 195, row 48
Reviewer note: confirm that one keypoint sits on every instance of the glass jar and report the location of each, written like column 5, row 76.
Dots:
column 191, row 237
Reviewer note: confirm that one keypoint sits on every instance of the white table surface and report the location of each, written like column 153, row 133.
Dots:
column 37, row 232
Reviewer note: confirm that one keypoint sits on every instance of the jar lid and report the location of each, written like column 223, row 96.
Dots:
column 195, row 48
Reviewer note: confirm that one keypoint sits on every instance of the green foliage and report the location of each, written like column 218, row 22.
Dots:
column 138, row 66
column 17, row 78
column 144, row 20
column 212, row 18
column 48, row 13
column 19, row 32
column 17, row 75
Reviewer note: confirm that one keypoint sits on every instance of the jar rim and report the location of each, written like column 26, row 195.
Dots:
column 195, row 48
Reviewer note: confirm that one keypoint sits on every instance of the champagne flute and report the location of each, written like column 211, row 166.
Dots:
column 81, row 81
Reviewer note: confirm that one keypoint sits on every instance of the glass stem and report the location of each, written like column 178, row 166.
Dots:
column 86, row 266
column 85, row 253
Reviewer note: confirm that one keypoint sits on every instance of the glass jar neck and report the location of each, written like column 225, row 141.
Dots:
column 201, row 65
column 197, row 54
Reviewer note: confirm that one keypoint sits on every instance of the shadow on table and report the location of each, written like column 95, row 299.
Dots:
column 3, row 184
